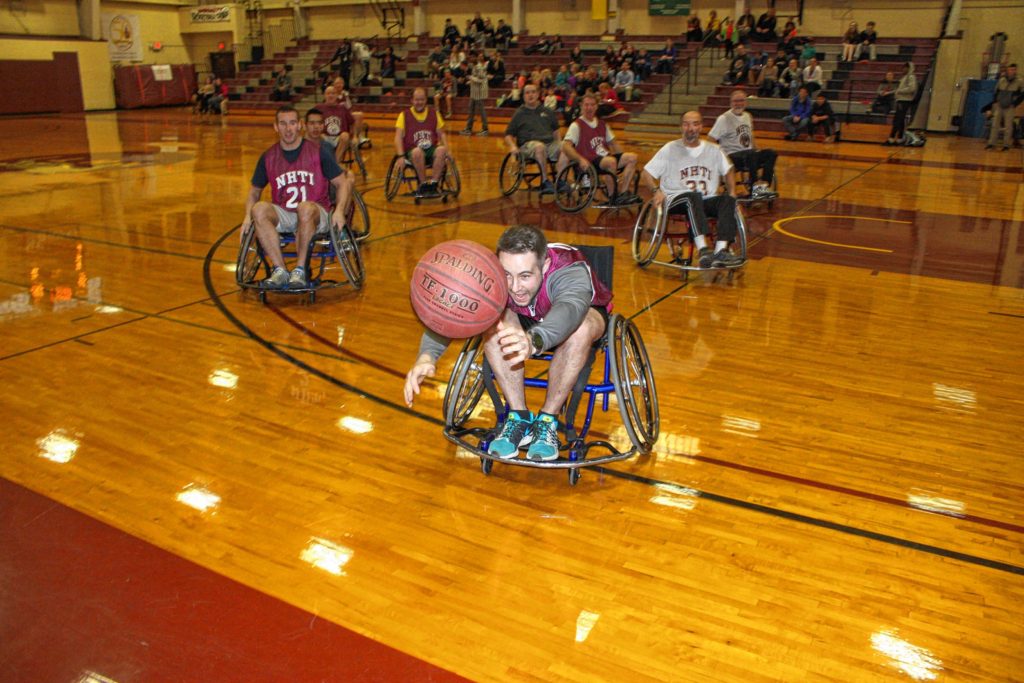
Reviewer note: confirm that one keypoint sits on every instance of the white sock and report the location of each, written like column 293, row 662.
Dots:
column 721, row 245
column 700, row 242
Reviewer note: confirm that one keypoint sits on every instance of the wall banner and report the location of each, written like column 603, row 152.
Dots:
column 123, row 36
column 210, row 14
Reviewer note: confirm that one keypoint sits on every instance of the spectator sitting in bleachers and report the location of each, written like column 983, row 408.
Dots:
column 850, row 40
column 822, row 117
column 608, row 102
column 798, row 119
column 488, row 33
column 576, row 56
column 790, row 79
column 624, row 83
column 712, row 28
column 586, row 81
column 610, row 58
column 667, row 58
column 694, row 32
column 868, row 37
column 764, row 31
column 503, row 36
column 808, row 52
column 545, row 45
column 642, row 65
column 444, row 90
column 201, row 98
column 282, row 91
column 562, row 77
column 606, row 75
column 437, row 60
column 496, row 69
column 885, row 96
column 450, row 36
column 745, row 26
column 626, row 53
column 812, row 77
column 218, row 102
column 737, row 73
column 388, row 62
column 790, row 42
column 767, row 80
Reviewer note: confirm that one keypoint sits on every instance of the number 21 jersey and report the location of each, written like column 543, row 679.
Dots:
column 293, row 182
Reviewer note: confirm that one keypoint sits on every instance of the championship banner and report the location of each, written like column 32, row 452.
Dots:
column 210, row 14
column 124, row 39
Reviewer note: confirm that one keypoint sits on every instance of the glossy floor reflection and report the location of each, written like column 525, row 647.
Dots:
column 836, row 494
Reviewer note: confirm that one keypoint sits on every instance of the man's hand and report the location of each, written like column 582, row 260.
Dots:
column 659, row 196
column 338, row 217
column 514, row 343
column 244, row 228
column 423, row 368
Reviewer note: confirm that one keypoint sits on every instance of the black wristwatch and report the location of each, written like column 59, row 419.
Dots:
column 536, row 342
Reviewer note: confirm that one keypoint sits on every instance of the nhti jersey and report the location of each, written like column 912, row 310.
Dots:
column 421, row 134
column 337, row 119
column 299, row 181
column 593, row 140
column 689, row 169
column 562, row 255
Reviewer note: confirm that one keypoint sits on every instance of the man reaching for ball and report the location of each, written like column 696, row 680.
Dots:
column 556, row 304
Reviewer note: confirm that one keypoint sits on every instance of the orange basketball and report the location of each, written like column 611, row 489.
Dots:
column 458, row 289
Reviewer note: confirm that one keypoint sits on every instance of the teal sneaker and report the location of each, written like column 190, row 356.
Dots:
column 545, row 438
column 515, row 434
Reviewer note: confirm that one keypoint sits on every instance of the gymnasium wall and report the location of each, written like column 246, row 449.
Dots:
column 93, row 64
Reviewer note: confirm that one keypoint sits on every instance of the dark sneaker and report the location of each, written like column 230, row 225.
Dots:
column 465, row 131
column 515, row 434
column 484, row 133
column 725, row 259
column 545, row 438
column 278, row 279
column 706, row 257
column 547, row 187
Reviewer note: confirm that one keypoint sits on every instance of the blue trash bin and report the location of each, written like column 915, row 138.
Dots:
column 980, row 92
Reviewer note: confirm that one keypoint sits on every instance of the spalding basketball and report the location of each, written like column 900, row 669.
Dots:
column 458, row 289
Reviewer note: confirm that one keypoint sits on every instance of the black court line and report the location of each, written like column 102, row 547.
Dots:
column 1007, row 315
column 718, row 498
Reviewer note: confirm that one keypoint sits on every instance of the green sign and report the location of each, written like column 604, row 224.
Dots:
column 668, row 8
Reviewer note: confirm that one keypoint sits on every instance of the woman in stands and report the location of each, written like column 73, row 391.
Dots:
column 850, row 40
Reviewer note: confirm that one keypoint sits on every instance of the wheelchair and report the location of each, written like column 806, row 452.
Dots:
column 515, row 170
column 353, row 156
column 576, row 187
column 654, row 228
column 330, row 252
column 627, row 374
column 746, row 179
column 401, row 172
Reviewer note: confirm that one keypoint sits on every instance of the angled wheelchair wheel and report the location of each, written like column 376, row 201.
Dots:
column 741, row 233
column 466, row 384
column 353, row 157
column 250, row 258
column 451, row 183
column 511, row 174
column 575, row 187
column 393, row 181
column 346, row 250
column 634, row 383
column 648, row 232
column 357, row 217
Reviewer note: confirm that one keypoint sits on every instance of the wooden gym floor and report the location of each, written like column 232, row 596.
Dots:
column 837, row 493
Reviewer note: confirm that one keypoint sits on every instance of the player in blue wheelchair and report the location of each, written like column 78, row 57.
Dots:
column 299, row 221
column 420, row 141
column 558, row 311
column 534, row 145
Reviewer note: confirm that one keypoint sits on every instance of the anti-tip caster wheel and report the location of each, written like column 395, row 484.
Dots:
column 485, row 466
column 574, row 475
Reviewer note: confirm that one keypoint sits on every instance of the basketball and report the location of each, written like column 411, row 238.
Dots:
column 458, row 289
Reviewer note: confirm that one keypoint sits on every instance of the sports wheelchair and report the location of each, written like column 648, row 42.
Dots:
column 745, row 179
column 576, row 187
column 336, row 249
column 627, row 374
column 353, row 156
column 515, row 170
column 654, row 228
column 402, row 172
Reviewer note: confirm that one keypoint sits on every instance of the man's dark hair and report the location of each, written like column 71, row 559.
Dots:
column 312, row 111
column 1011, row 66
column 284, row 109
column 522, row 239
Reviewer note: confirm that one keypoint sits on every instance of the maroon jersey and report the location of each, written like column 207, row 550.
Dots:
column 300, row 181
column 562, row 255
column 421, row 134
column 593, row 142
column 337, row 119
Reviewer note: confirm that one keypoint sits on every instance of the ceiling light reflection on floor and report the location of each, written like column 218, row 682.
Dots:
column 93, row 677
column 941, row 506
column 956, row 397
column 585, row 624
column 355, row 425
column 225, row 379
column 917, row 662
column 58, row 446
column 741, row 426
column 323, row 554
column 673, row 496
column 198, row 498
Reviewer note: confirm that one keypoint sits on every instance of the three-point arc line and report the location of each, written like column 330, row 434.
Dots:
column 777, row 226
